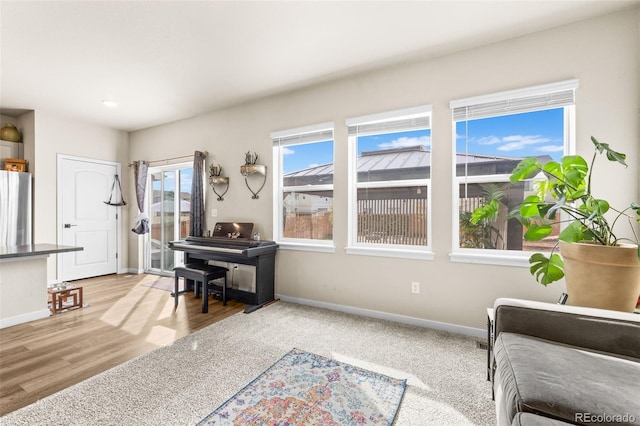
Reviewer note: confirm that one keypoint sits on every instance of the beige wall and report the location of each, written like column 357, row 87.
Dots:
column 602, row 53
column 55, row 135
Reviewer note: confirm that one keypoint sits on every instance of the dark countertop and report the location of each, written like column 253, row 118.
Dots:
column 8, row 252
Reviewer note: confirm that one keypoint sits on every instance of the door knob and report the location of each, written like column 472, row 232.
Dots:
column 69, row 225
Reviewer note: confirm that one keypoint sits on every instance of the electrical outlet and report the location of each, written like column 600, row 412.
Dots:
column 214, row 212
column 415, row 287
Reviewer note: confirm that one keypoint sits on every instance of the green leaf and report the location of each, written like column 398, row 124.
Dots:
column 575, row 183
column 611, row 154
column 546, row 269
column 492, row 191
column 636, row 207
column 487, row 212
column 600, row 206
column 525, row 169
column 536, row 232
column 574, row 163
column 553, row 169
column 529, row 206
column 572, row 233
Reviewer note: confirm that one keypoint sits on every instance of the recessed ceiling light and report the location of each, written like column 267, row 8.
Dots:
column 110, row 104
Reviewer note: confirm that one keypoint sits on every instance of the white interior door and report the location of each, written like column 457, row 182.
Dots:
column 86, row 220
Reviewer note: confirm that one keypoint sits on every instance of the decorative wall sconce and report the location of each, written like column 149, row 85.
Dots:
column 216, row 180
column 251, row 168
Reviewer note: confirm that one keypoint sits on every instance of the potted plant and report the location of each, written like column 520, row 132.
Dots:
column 600, row 269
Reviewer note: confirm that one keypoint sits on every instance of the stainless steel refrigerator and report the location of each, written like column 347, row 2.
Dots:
column 15, row 208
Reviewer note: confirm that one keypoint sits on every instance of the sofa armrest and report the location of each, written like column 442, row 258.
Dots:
column 596, row 329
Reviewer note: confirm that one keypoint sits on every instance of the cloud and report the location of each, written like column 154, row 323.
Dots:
column 287, row 151
column 518, row 142
column 313, row 165
column 488, row 140
column 550, row 148
column 406, row 142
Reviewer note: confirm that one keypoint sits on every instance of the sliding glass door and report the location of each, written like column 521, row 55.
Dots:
column 169, row 206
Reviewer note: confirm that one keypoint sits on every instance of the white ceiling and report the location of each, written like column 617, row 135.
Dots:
column 167, row 60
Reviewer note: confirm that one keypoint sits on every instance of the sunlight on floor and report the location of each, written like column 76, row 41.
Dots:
column 419, row 409
column 124, row 315
column 120, row 311
column 137, row 319
column 419, row 403
column 167, row 309
column 412, row 380
column 161, row 336
column 150, row 279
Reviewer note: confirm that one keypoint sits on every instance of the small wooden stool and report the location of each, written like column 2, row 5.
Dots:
column 60, row 298
column 201, row 275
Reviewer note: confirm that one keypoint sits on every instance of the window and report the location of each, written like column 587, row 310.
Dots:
column 492, row 134
column 169, row 209
column 303, row 187
column 389, row 183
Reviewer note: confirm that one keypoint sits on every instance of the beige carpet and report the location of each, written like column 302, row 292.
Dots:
column 182, row 383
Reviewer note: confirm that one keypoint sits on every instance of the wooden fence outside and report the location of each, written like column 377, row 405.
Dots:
column 156, row 229
column 467, row 205
column 393, row 221
column 313, row 226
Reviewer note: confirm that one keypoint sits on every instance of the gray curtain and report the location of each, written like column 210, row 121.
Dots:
column 197, row 196
column 140, row 173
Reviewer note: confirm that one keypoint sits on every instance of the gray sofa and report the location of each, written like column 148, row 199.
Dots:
column 558, row 364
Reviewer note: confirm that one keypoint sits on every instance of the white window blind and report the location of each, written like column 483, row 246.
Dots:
column 391, row 122
column 534, row 98
column 319, row 133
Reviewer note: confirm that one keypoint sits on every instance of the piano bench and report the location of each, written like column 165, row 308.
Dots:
column 201, row 275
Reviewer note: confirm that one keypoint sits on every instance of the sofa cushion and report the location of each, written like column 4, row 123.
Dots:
column 529, row 419
column 565, row 382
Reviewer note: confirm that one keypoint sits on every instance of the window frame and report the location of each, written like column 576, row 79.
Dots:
column 384, row 250
column 303, row 244
column 177, row 169
column 491, row 256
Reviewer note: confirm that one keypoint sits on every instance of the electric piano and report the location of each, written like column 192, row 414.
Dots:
column 233, row 243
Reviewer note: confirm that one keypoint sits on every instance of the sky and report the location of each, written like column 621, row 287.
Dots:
column 186, row 176
column 300, row 157
column 518, row 135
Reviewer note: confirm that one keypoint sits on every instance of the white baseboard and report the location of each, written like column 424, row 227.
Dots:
column 453, row 328
column 20, row 319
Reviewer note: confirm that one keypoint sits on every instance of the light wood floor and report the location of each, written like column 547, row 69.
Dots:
column 124, row 319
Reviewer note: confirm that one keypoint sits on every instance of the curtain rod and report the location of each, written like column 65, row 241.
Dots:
column 206, row 154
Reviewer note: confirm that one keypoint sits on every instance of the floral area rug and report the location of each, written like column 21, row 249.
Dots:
column 307, row 389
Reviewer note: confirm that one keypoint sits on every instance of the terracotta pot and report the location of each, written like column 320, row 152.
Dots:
column 602, row 277
column 10, row 133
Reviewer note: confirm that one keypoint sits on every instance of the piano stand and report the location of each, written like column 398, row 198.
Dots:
column 259, row 254
column 252, row 308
